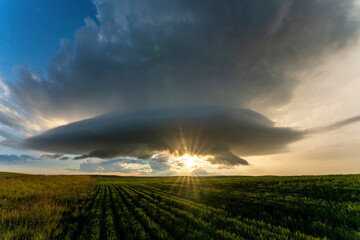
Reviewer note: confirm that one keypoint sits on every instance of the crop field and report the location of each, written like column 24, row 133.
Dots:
column 85, row 207
column 31, row 207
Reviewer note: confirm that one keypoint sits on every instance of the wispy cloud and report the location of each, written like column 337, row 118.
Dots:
column 336, row 125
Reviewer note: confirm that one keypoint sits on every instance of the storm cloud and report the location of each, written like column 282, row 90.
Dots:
column 146, row 69
column 140, row 54
column 221, row 132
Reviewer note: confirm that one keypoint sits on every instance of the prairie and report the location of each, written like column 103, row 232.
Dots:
column 101, row 207
column 31, row 206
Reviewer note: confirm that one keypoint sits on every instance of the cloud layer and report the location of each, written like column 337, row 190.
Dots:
column 130, row 166
column 140, row 54
column 15, row 159
column 216, row 131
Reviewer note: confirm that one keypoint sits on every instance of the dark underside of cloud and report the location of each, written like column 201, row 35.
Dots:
column 221, row 132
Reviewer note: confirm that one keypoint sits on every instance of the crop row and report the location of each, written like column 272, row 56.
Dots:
column 123, row 211
column 155, row 211
column 217, row 218
column 320, row 217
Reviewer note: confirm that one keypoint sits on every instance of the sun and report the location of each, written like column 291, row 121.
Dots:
column 190, row 163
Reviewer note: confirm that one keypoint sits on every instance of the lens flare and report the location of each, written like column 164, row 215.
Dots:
column 190, row 163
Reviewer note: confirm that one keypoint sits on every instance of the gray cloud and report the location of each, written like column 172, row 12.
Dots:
column 51, row 156
column 182, row 53
column 115, row 165
column 9, row 140
column 336, row 125
column 223, row 155
column 160, row 164
column 224, row 133
column 9, row 119
column 131, row 166
column 15, row 159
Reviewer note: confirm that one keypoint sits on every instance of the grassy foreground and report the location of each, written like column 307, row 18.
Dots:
column 84, row 207
column 31, row 207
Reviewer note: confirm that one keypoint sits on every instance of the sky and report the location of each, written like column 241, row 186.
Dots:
column 126, row 87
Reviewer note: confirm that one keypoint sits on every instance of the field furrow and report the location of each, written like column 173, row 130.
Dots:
column 218, row 218
column 93, row 228
column 128, row 208
column 109, row 227
column 281, row 208
column 155, row 230
column 189, row 225
column 128, row 226
column 73, row 222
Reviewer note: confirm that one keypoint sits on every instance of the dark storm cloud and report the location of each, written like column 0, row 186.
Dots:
column 222, row 155
column 175, row 56
column 15, row 159
column 224, row 133
column 183, row 52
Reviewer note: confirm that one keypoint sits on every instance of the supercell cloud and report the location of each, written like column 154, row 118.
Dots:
column 148, row 67
column 223, row 133
column 216, row 131
column 141, row 54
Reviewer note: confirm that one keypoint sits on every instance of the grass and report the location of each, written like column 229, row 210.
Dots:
column 84, row 207
column 11, row 174
column 32, row 206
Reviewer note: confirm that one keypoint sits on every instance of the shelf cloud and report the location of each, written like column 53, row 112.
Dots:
column 223, row 133
column 215, row 131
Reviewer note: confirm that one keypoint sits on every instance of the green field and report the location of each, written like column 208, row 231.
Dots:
column 90, row 207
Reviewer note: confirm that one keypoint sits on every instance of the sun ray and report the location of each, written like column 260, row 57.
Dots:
column 175, row 183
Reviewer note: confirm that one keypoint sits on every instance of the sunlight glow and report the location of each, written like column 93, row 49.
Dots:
column 190, row 163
